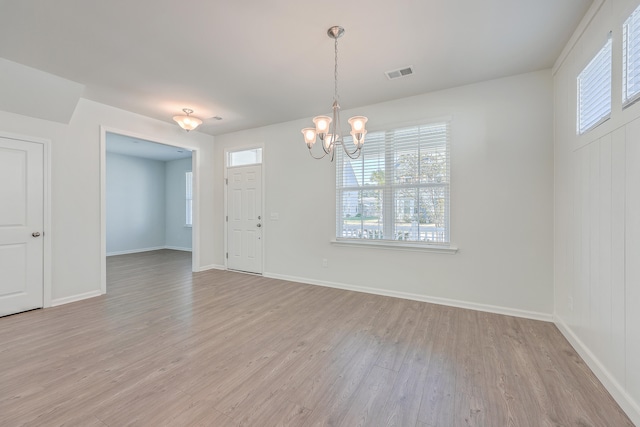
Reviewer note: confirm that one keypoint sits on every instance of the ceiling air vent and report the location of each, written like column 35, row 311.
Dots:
column 396, row 74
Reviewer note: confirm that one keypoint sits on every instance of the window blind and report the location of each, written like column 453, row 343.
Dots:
column 631, row 58
column 399, row 187
column 594, row 90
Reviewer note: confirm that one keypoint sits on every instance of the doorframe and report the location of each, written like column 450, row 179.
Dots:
column 46, row 212
column 262, row 207
column 195, row 169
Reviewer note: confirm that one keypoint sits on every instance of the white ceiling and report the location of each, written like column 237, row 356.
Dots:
column 261, row 62
column 121, row 144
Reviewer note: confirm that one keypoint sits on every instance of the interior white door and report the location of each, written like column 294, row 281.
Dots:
column 21, row 222
column 244, row 218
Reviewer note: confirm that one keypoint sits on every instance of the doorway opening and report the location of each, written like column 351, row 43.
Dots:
column 149, row 197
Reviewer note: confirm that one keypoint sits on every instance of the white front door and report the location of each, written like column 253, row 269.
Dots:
column 21, row 222
column 244, row 218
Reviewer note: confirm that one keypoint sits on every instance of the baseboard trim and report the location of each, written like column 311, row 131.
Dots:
column 178, row 248
column 626, row 402
column 135, row 251
column 74, row 298
column 155, row 248
column 211, row 267
column 417, row 297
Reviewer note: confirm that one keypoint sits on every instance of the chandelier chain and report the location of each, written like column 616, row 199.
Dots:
column 335, row 72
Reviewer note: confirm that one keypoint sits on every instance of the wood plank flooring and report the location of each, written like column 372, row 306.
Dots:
column 167, row 347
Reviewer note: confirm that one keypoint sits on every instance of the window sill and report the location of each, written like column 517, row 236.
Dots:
column 400, row 246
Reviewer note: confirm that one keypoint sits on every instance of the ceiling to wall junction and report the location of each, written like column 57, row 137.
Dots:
column 256, row 63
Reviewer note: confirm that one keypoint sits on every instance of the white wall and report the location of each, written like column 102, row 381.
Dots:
column 177, row 235
column 136, row 203
column 501, row 206
column 75, row 233
column 597, row 217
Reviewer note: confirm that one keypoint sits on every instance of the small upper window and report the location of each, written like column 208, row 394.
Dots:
column 631, row 58
column 245, row 157
column 594, row 90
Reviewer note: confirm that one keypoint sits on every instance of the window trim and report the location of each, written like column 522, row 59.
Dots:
column 401, row 245
column 405, row 245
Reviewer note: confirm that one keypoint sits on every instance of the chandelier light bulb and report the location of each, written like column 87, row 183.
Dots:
column 322, row 124
column 357, row 123
column 309, row 136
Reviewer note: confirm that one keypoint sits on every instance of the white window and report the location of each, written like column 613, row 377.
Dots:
column 189, row 198
column 594, row 90
column 631, row 58
column 398, row 189
column 245, row 157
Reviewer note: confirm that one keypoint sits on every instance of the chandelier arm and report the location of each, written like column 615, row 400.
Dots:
column 324, row 148
column 352, row 155
column 316, row 157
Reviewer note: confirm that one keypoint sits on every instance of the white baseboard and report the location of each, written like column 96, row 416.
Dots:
column 417, row 297
column 211, row 267
column 155, row 248
column 74, row 298
column 626, row 402
column 178, row 248
column 135, row 251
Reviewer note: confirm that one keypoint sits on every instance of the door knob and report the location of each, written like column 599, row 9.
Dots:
column 259, row 225
column 35, row 234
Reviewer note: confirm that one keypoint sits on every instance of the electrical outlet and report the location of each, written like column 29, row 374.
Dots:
column 325, row 263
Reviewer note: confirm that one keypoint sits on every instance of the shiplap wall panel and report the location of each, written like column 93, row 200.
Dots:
column 599, row 235
column 617, row 350
column 633, row 256
column 576, row 273
column 595, row 307
column 582, row 298
column 603, row 280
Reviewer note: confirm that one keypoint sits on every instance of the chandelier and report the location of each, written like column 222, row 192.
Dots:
column 328, row 129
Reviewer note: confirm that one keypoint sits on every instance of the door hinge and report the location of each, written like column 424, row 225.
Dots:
column 227, row 218
column 227, row 255
column 226, row 181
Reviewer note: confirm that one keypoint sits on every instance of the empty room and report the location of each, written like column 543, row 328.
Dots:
column 291, row 213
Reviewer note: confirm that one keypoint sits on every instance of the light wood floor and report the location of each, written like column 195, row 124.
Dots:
column 167, row 347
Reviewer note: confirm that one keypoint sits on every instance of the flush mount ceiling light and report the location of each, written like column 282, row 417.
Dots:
column 328, row 129
column 187, row 122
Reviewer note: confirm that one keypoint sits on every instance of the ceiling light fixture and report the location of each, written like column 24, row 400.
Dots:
column 328, row 128
column 187, row 122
